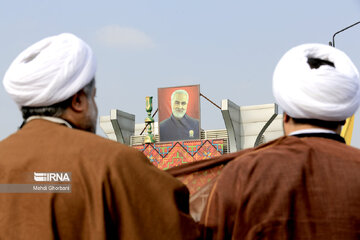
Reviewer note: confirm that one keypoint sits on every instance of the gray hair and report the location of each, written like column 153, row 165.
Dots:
column 180, row 91
column 57, row 109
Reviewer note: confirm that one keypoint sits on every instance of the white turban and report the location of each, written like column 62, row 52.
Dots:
column 325, row 93
column 50, row 71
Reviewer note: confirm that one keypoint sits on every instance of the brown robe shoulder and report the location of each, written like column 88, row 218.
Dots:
column 291, row 188
column 116, row 192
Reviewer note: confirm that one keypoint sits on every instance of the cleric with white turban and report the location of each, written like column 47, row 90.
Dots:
column 50, row 71
column 304, row 185
column 108, row 190
column 316, row 81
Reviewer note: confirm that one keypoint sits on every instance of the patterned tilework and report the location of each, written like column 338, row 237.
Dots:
column 170, row 154
column 206, row 151
column 153, row 155
column 177, row 156
column 193, row 146
column 219, row 144
column 164, row 148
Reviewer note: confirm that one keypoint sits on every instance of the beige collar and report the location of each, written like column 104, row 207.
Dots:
column 51, row 119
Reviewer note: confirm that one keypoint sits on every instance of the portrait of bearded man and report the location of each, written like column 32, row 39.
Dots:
column 179, row 126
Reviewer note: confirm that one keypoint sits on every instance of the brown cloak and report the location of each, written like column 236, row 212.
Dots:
column 291, row 188
column 116, row 192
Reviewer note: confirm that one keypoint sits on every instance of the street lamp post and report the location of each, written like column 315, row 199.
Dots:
column 333, row 39
column 346, row 131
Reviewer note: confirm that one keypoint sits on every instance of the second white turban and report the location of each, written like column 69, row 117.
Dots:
column 50, row 71
column 330, row 93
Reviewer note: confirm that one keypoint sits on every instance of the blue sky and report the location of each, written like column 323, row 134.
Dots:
column 230, row 48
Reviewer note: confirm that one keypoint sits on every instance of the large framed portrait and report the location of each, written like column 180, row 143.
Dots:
column 179, row 113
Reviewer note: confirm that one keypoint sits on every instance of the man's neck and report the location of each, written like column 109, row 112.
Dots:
column 312, row 130
column 292, row 128
column 51, row 119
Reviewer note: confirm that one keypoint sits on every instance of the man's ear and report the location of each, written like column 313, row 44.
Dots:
column 79, row 102
column 286, row 117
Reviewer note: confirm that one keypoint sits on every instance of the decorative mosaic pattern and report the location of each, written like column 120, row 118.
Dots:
column 172, row 154
column 153, row 155
column 164, row 148
column 219, row 144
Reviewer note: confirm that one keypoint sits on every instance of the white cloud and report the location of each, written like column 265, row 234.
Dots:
column 124, row 38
